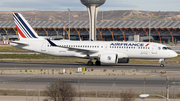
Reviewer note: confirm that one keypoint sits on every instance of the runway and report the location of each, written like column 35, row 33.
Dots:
column 90, row 83
column 85, row 82
column 20, row 65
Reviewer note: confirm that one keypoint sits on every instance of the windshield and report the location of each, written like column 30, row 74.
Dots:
column 166, row 48
column 169, row 48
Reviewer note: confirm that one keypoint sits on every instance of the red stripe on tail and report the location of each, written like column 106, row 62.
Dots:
column 20, row 32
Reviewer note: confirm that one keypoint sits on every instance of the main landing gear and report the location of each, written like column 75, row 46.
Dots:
column 98, row 63
column 90, row 63
column 161, row 62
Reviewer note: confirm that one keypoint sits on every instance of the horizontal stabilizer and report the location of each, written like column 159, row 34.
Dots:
column 20, row 43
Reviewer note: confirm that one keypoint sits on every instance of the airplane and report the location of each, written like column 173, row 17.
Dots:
column 111, row 52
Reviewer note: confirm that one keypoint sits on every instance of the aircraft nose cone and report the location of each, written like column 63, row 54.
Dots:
column 173, row 54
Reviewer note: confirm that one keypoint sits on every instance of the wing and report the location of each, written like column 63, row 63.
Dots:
column 85, row 51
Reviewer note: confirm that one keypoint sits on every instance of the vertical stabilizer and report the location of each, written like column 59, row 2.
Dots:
column 25, row 31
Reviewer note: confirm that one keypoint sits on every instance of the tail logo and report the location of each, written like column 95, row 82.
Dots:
column 147, row 44
column 20, row 32
column 23, row 27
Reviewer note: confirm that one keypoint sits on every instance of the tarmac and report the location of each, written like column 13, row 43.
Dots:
column 153, row 83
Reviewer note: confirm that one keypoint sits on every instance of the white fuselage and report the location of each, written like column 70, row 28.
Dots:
column 136, row 50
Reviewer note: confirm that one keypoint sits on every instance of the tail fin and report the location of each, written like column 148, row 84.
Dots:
column 25, row 31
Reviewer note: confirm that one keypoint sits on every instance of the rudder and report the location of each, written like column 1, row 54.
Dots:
column 25, row 31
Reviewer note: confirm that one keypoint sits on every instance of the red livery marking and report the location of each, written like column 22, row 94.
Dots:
column 147, row 45
column 20, row 32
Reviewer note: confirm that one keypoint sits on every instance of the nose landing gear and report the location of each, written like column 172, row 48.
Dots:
column 161, row 65
column 161, row 62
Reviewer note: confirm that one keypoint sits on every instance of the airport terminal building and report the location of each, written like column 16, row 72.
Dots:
column 163, row 31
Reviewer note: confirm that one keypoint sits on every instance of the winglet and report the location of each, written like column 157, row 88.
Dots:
column 52, row 44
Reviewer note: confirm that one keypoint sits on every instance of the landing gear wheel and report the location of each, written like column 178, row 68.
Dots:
column 161, row 62
column 90, row 63
column 161, row 65
column 98, row 63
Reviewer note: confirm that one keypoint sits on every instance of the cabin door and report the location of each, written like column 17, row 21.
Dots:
column 154, row 49
column 43, row 47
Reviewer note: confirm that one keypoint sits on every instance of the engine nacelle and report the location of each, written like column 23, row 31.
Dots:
column 109, row 58
column 123, row 60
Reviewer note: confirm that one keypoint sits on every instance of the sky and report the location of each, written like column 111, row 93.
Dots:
column 75, row 5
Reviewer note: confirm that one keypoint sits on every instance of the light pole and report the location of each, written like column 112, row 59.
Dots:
column 149, row 28
column 144, row 85
column 102, row 16
column 69, row 24
column 142, row 96
column 167, row 86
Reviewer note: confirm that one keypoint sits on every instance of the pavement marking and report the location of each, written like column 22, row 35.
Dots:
column 21, row 79
column 162, row 70
column 74, row 75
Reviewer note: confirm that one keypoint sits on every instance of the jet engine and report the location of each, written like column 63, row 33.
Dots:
column 123, row 60
column 108, row 58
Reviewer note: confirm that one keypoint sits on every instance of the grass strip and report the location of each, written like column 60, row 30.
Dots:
column 100, row 94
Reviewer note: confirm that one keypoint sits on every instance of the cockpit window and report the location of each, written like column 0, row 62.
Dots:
column 166, row 48
column 159, row 48
column 169, row 48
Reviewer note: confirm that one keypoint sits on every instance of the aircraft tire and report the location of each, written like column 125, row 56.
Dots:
column 90, row 63
column 98, row 63
column 161, row 65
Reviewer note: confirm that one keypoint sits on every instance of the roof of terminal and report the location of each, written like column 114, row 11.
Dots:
column 100, row 24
